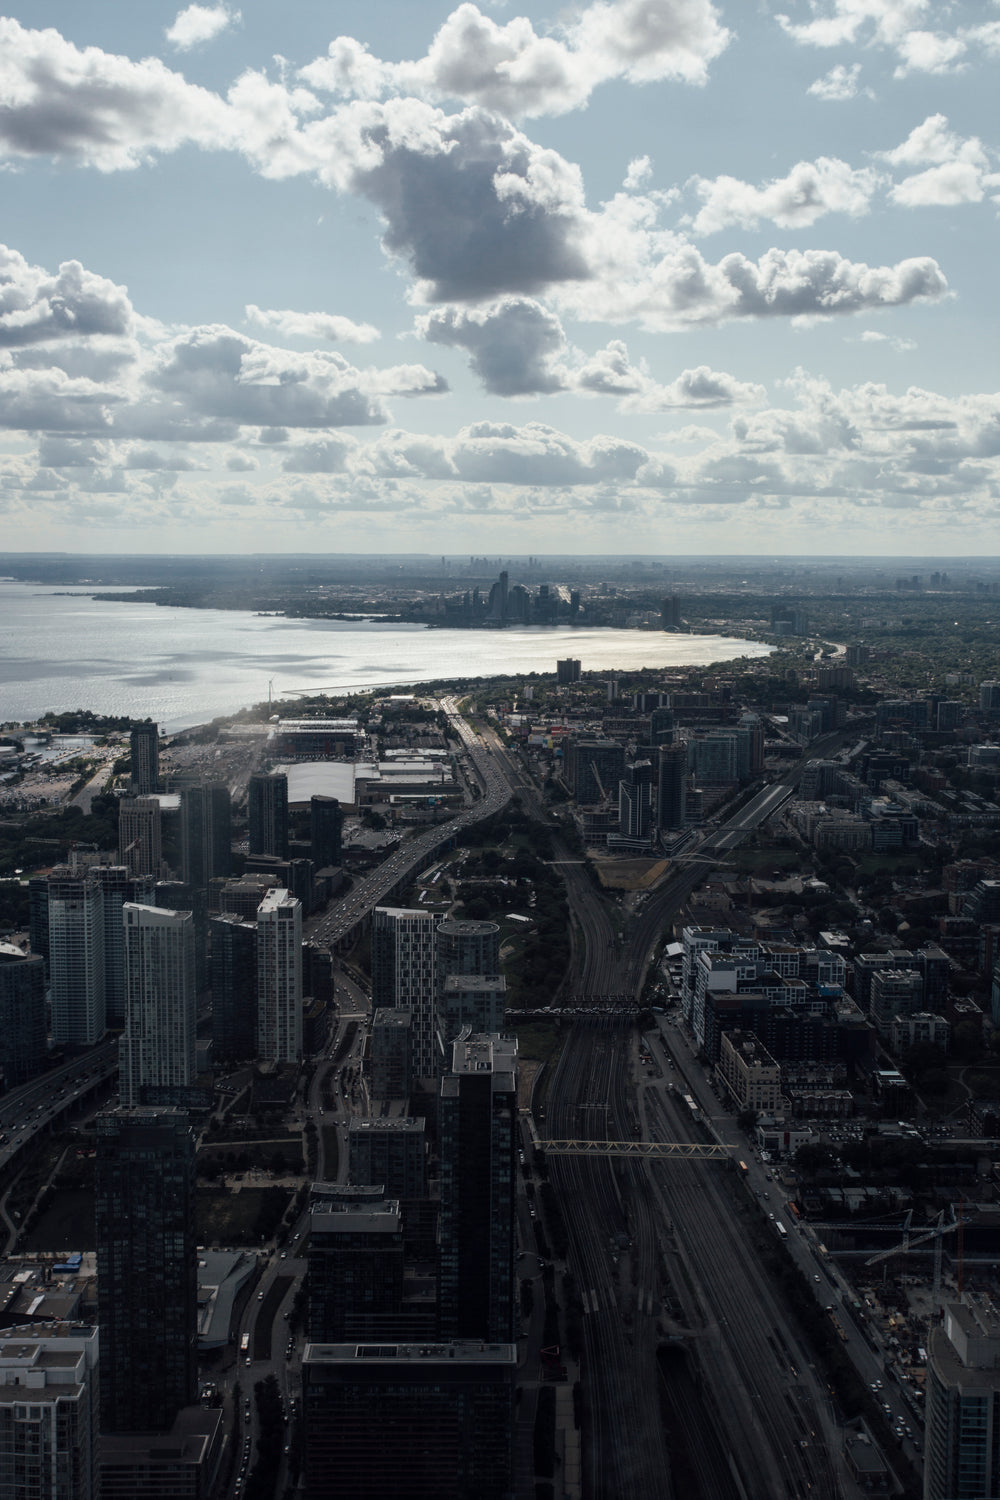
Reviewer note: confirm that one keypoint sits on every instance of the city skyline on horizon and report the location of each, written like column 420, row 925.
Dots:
column 500, row 274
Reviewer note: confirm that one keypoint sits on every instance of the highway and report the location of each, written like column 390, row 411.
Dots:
column 413, row 856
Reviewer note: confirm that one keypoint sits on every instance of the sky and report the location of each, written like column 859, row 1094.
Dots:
column 632, row 276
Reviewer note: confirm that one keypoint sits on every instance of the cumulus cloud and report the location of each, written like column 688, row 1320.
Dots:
column 682, row 289
column 512, row 69
column 478, row 210
column 840, row 83
column 97, row 108
column 52, row 401
column 810, row 190
column 327, row 456
column 500, row 453
column 329, row 327
column 956, row 170
column 897, row 26
column 640, row 170
column 515, row 345
column 200, row 23
column 475, row 208
column 36, row 307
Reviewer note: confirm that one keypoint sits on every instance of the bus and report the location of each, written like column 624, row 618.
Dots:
column 781, row 1229
column 742, row 1166
column 244, row 1343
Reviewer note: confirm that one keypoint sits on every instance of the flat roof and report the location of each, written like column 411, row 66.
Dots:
column 464, row 1351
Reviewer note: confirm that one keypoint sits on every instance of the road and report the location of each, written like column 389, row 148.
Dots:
column 413, row 856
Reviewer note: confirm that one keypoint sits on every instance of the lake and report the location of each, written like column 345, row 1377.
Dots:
column 63, row 649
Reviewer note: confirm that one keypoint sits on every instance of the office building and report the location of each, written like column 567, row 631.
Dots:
column 567, row 671
column 670, row 613
column 636, row 797
column 279, row 978
column 962, row 1409
column 49, row 1413
column 140, row 835
column 267, row 811
column 326, row 824
column 157, row 1048
column 182, row 1464
column 22, row 1016
column 242, row 897
column 355, row 1264
column 76, row 959
column 404, row 976
column 390, row 1153
column 234, row 989
column 466, row 947
column 206, row 833
column 671, row 786
column 391, row 1054
column 989, row 697
column 477, row 1133
column 662, row 726
column 592, row 769
column 116, row 887
column 472, row 1002
column 144, row 755
column 146, row 1268
column 428, row 1421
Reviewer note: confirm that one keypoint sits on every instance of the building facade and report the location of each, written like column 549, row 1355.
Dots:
column 49, row 1414
column 404, row 975
column 267, row 812
column 279, row 978
column 477, row 1127
column 428, row 1421
column 157, row 1047
column 144, row 757
column 147, row 1294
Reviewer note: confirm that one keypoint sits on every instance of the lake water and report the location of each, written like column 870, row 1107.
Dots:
column 64, row 650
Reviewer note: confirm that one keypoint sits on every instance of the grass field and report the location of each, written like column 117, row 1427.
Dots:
column 224, row 1218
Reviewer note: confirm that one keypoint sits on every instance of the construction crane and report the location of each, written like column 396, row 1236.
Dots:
column 654, row 1150
column 910, row 1242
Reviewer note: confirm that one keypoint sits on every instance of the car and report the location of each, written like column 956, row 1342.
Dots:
column 816, row 1278
column 248, row 1361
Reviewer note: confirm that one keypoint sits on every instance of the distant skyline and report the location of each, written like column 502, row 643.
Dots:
column 633, row 276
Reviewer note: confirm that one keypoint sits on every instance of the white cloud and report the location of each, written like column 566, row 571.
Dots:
column 200, row 23
column 329, row 327
column 959, row 170
column 682, row 289
column 479, row 211
column 610, row 372
column 516, row 346
column 840, row 83
column 900, row 345
column 640, row 170
column 36, row 307
column 810, row 190
column 897, row 26
column 512, row 69
column 97, row 108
